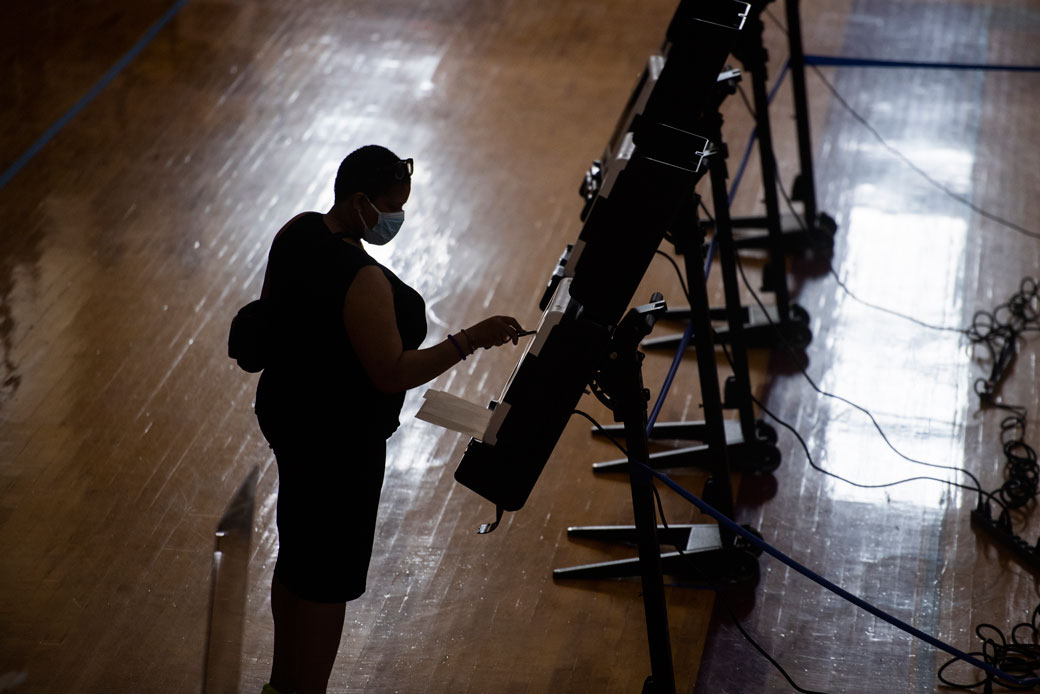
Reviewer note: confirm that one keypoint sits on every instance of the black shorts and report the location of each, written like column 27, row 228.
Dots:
column 328, row 496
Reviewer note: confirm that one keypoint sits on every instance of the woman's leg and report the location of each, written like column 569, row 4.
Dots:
column 318, row 629
column 306, row 641
column 311, row 519
column 285, row 668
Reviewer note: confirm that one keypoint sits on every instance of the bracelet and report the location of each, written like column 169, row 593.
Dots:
column 461, row 353
column 469, row 341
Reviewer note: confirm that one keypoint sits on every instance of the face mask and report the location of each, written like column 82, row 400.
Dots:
column 386, row 228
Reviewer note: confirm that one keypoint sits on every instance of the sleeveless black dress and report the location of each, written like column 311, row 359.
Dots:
column 322, row 415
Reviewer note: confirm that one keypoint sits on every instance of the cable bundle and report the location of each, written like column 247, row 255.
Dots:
column 1020, row 656
column 1000, row 331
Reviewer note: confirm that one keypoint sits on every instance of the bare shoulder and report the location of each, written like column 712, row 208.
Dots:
column 370, row 277
column 370, row 291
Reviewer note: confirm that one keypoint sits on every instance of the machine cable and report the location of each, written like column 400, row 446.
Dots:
column 718, row 590
column 997, row 330
column 905, row 159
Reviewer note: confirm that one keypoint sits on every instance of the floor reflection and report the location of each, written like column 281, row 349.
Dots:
column 10, row 379
column 914, row 380
column 19, row 274
column 905, row 245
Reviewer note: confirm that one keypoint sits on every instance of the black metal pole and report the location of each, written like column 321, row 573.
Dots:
column 755, row 58
column 796, row 62
column 630, row 406
column 721, row 491
column 728, row 268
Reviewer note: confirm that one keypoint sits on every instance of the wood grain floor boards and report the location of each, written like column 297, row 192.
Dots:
column 129, row 241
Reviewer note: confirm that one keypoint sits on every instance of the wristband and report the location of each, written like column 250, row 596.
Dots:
column 459, row 349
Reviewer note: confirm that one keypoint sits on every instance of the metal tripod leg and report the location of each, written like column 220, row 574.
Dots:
column 703, row 558
column 760, row 330
column 751, row 452
column 755, row 456
column 819, row 229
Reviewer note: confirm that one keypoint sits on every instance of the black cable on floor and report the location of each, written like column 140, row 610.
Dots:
column 830, row 268
column 1000, row 330
column 977, row 486
column 906, row 160
column 1015, row 655
column 1019, row 654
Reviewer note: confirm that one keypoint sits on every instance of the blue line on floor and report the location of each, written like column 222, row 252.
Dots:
column 840, row 61
column 1027, row 682
column 35, row 148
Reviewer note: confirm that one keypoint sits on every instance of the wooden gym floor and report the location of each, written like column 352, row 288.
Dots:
column 129, row 240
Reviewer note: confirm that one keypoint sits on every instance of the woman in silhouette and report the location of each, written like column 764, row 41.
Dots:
column 346, row 350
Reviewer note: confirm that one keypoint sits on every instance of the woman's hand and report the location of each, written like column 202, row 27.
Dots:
column 492, row 332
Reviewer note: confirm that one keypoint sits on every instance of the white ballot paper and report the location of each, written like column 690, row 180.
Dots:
column 452, row 412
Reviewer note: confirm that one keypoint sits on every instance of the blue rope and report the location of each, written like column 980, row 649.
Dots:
column 841, row 61
column 837, row 590
column 96, row 89
column 754, row 134
column 684, row 343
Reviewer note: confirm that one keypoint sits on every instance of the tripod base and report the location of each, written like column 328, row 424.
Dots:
column 758, row 456
column 761, row 329
column 817, row 239
column 704, row 559
column 695, row 430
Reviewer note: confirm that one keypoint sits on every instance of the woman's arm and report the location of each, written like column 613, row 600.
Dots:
column 371, row 324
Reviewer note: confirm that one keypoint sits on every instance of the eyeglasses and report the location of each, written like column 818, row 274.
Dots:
column 401, row 169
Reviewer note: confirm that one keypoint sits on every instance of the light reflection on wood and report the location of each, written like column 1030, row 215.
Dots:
column 129, row 242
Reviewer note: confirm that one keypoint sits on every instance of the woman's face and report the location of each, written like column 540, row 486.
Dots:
column 362, row 211
column 392, row 200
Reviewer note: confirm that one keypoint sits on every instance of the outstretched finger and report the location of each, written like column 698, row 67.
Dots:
column 514, row 328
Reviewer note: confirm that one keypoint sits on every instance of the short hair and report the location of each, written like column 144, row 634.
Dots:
column 368, row 170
